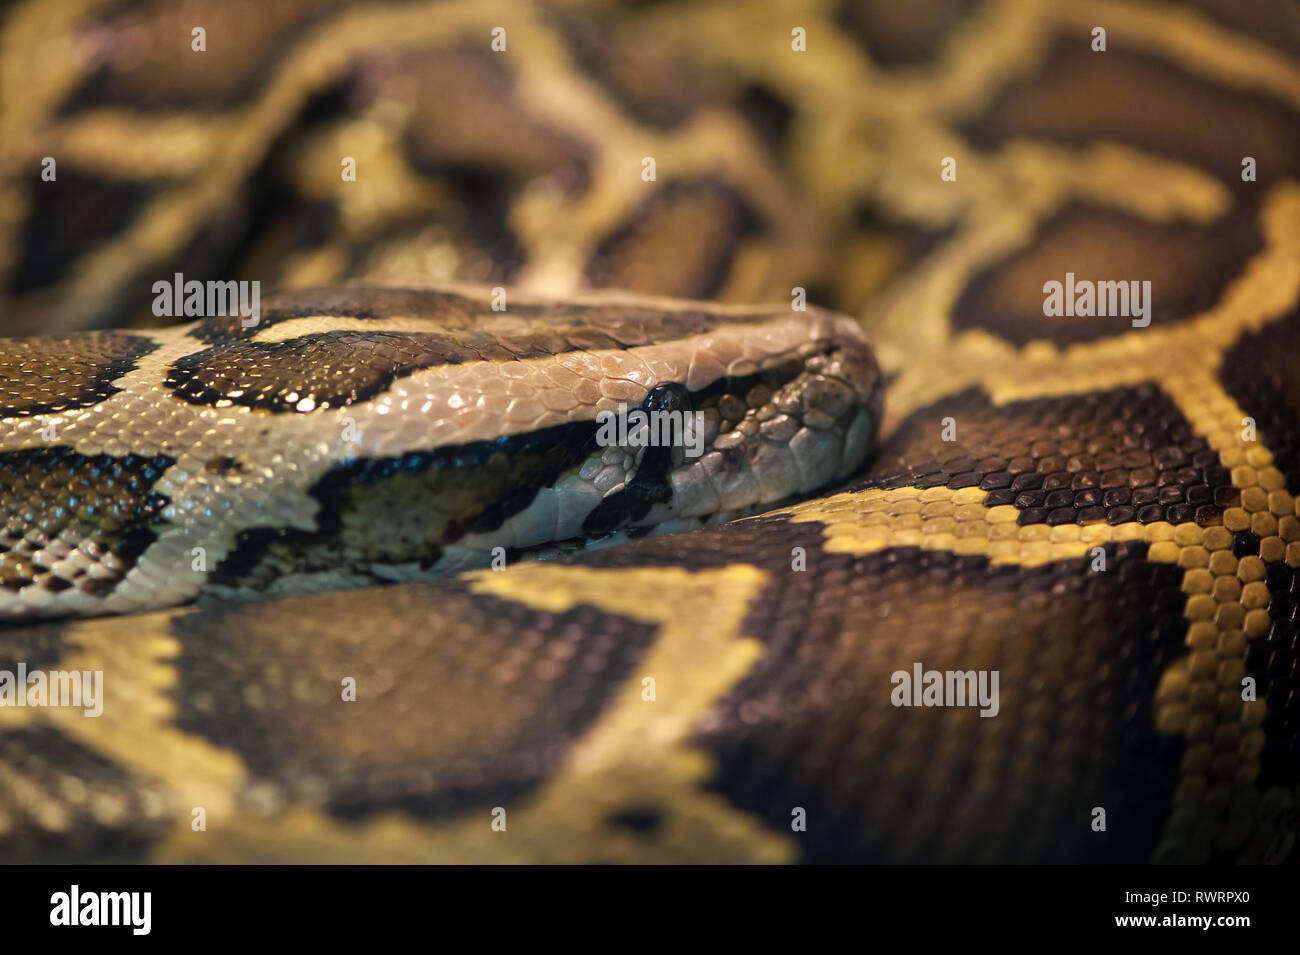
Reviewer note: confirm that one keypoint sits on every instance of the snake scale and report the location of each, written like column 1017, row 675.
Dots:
column 345, row 572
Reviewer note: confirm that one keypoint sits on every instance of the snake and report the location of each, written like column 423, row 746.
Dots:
column 394, row 571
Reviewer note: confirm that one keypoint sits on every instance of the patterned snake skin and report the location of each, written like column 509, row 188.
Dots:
column 1106, row 514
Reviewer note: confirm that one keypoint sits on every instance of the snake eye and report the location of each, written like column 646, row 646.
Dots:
column 669, row 396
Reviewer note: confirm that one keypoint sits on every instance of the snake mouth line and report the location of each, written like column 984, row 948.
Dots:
column 762, row 439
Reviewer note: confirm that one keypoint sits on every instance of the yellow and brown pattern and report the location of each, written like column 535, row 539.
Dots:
column 1109, row 516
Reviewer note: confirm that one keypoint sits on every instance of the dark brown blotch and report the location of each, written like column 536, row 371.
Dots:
column 145, row 60
column 1080, row 98
column 67, row 218
column 1188, row 265
column 48, row 375
column 1262, row 374
column 525, row 702
column 681, row 242
column 56, row 499
column 1122, row 455
column 1079, row 656
column 903, row 34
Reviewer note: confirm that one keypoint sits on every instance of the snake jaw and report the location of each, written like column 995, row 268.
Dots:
column 791, row 441
column 768, row 438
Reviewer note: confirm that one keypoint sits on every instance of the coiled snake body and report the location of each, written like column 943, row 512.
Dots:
column 301, row 552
